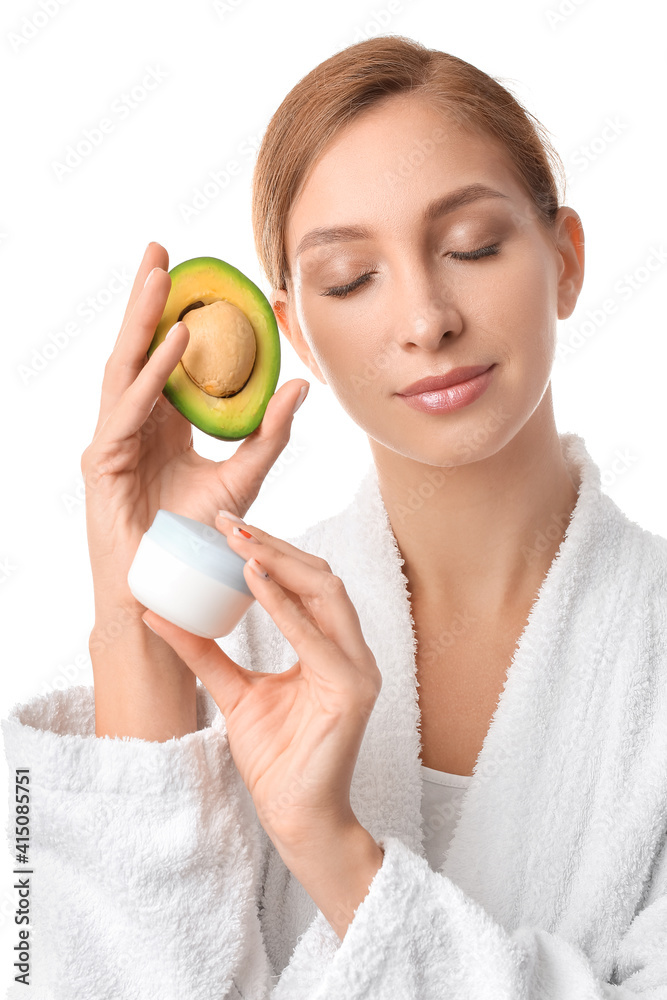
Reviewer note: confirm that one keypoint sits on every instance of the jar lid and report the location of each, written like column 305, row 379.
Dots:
column 200, row 546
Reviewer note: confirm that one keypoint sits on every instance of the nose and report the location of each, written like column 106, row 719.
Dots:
column 424, row 311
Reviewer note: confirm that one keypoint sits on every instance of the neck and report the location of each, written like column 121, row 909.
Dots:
column 481, row 535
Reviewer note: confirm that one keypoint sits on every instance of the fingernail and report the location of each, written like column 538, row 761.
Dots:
column 173, row 328
column 149, row 626
column 256, row 568
column 231, row 517
column 300, row 398
column 243, row 533
column 149, row 275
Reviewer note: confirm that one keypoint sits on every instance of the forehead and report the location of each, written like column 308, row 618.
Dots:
column 387, row 164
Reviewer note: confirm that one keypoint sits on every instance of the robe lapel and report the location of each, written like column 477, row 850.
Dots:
column 511, row 803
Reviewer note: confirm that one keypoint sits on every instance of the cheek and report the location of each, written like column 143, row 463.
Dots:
column 322, row 338
column 365, row 367
column 334, row 353
column 520, row 306
column 350, row 353
column 540, row 305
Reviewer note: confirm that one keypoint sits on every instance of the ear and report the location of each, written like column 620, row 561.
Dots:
column 570, row 246
column 289, row 326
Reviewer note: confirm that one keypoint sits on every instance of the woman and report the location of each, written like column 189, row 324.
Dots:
column 430, row 761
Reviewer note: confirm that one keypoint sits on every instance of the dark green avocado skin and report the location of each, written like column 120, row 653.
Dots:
column 231, row 418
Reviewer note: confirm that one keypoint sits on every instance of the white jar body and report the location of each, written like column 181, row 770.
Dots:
column 183, row 594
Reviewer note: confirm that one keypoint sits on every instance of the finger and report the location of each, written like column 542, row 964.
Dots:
column 155, row 255
column 226, row 680
column 323, row 595
column 137, row 402
column 319, row 652
column 225, row 525
column 247, row 468
column 129, row 355
column 147, row 312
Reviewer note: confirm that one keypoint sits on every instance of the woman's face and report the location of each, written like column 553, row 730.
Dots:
column 420, row 311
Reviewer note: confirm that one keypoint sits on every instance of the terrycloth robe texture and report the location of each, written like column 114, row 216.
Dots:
column 154, row 878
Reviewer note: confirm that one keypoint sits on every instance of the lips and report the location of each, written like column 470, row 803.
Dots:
column 453, row 377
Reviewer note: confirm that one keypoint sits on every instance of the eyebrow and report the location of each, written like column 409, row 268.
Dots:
column 434, row 210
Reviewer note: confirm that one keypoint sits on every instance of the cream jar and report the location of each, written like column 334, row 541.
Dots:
column 186, row 572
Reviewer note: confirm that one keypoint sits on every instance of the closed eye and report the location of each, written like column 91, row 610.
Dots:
column 341, row 291
column 489, row 251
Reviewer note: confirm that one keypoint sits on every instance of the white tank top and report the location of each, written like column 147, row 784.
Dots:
column 441, row 804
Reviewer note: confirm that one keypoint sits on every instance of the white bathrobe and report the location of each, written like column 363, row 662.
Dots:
column 154, row 879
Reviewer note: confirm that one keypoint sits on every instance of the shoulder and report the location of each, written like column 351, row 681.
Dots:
column 651, row 590
column 635, row 620
column 641, row 553
column 624, row 562
column 653, row 549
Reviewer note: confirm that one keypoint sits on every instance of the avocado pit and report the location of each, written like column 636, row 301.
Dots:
column 221, row 351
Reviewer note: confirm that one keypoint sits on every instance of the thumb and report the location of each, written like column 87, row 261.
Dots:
column 261, row 448
column 224, row 678
column 279, row 410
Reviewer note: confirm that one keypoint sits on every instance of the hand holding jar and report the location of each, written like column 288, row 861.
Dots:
column 294, row 736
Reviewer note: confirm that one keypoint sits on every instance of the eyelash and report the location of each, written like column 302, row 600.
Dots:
column 343, row 290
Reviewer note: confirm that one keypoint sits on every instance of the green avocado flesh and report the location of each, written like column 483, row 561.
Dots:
column 199, row 282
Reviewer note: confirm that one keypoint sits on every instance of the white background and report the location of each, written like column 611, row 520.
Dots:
column 219, row 72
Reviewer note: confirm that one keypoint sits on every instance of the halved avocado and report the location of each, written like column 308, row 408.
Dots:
column 229, row 370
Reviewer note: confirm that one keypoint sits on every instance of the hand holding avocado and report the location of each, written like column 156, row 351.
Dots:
column 141, row 457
